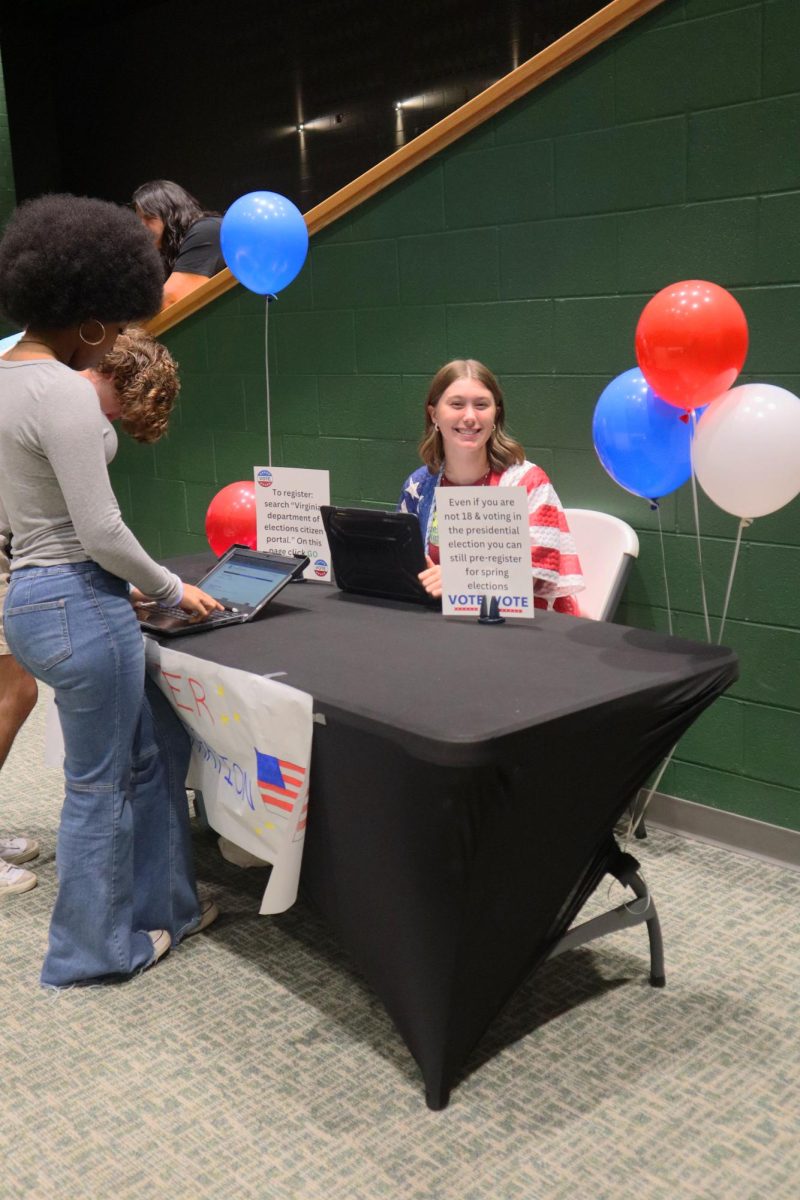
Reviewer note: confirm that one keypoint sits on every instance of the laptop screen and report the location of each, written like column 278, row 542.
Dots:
column 242, row 581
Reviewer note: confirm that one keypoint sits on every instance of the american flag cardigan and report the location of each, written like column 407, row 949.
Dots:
column 554, row 559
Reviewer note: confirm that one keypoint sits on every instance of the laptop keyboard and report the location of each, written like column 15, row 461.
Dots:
column 163, row 611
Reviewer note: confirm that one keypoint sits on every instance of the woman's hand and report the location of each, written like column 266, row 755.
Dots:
column 431, row 579
column 198, row 603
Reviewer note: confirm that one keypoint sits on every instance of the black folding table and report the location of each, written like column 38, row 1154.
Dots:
column 465, row 783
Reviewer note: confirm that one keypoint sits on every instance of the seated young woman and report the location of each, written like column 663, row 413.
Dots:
column 465, row 445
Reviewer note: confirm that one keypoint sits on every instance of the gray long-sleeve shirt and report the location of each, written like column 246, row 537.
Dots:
column 55, row 445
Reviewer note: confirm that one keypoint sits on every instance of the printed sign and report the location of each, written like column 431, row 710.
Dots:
column 484, row 550
column 251, row 752
column 287, row 515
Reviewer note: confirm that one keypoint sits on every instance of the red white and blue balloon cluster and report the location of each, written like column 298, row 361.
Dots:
column 679, row 410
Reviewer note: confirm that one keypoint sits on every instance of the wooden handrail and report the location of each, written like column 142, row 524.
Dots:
column 554, row 58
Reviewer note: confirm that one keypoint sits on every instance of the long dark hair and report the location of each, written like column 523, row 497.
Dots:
column 173, row 205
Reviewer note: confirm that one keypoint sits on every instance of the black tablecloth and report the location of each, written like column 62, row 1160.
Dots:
column 465, row 784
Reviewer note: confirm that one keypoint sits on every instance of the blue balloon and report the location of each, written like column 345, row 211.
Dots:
column 264, row 241
column 640, row 439
column 10, row 341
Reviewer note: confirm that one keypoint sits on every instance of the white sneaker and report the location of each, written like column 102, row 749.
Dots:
column 15, row 879
column 208, row 915
column 18, row 850
column 161, row 943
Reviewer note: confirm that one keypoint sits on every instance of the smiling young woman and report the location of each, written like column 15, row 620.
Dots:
column 464, row 444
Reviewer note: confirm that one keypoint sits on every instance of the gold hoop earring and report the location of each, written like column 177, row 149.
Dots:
column 88, row 341
column 435, row 426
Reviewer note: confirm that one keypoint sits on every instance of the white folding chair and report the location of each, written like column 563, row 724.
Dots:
column 606, row 547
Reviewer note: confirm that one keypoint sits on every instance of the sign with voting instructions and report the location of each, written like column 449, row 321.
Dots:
column 288, row 520
column 484, row 550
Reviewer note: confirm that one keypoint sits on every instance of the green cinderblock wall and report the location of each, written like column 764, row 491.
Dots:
column 533, row 244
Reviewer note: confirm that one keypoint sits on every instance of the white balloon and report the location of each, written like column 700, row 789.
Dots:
column 746, row 450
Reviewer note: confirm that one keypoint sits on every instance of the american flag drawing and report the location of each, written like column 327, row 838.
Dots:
column 300, row 831
column 279, row 782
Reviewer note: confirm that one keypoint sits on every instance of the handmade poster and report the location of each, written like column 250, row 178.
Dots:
column 484, row 550
column 251, row 753
column 288, row 520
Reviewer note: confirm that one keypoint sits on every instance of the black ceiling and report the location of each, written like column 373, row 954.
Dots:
column 103, row 96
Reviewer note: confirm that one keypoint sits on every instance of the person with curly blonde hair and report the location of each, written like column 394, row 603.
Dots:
column 137, row 383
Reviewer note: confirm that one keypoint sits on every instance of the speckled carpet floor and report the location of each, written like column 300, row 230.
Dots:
column 253, row 1062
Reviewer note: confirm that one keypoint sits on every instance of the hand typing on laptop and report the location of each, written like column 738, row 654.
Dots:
column 236, row 590
column 196, row 603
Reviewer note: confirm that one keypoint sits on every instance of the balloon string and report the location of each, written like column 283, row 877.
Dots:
column 657, row 507
column 745, row 521
column 266, row 371
column 697, row 528
column 637, row 812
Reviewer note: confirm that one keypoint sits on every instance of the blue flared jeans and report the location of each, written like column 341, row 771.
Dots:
column 123, row 852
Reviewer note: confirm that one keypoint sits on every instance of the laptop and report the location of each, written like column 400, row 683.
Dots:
column 243, row 580
column 376, row 553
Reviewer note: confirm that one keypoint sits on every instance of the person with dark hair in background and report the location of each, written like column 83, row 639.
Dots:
column 187, row 237
column 73, row 273
column 465, row 444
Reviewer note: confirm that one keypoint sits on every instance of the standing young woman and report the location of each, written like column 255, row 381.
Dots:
column 465, row 444
column 187, row 238
column 136, row 384
column 73, row 273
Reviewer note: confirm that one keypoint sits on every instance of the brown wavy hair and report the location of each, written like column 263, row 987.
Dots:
column 145, row 377
column 502, row 450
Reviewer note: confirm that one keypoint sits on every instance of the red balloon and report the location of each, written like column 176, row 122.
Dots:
column 231, row 517
column 691, row 342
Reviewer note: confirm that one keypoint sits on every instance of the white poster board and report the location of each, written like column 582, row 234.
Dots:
column 288, row 520
column 485, row 550
column 251, row 754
